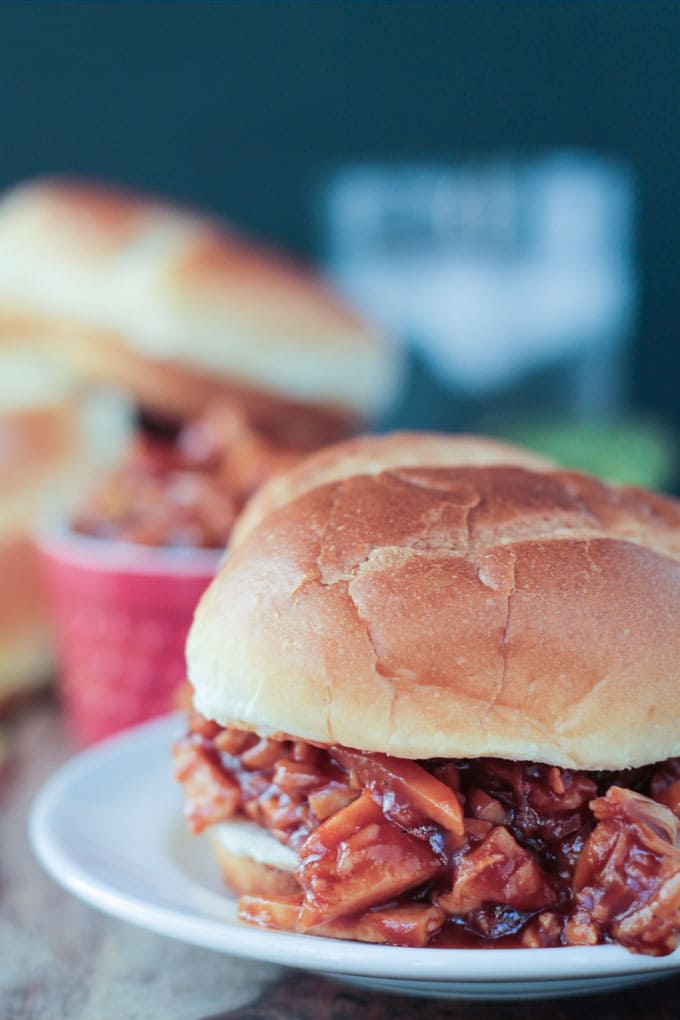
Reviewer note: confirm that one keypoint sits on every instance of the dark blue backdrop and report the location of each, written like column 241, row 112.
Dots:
column 241, row 105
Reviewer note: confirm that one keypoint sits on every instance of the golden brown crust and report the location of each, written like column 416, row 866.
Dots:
column 372, row 454
column 454, row 612
column 25, row 654
column 173, row 304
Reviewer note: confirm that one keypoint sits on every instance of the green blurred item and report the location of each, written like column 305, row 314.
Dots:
column 625, row 452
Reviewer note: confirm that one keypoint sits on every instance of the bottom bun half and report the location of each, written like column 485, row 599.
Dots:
column 252, row 862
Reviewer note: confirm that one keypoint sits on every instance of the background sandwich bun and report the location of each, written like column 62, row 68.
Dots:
column 474, row 609
column 49, row 442
column 177, row 308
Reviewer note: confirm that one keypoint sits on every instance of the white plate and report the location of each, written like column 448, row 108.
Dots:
column 108, row 826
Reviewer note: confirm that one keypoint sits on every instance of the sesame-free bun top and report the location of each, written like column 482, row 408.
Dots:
column 174, row 305
column 369, row 455
column 451, row 612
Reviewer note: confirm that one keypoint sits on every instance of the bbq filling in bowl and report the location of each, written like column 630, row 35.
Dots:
column 184, row 484
column 442, row 852
column 448, row 696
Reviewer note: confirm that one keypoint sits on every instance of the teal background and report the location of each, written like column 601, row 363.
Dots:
column 243, row 106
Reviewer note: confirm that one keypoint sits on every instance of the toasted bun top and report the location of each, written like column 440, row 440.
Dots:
column 370, row 455
column 121, row 281
column 453, row 611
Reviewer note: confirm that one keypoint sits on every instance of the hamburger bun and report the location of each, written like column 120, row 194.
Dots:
column 251, row 861
column 44, row 463
column 482, row 609
column 177, row 308
column 368, row 455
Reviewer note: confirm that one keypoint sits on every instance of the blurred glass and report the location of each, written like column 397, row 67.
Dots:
column 511, row 282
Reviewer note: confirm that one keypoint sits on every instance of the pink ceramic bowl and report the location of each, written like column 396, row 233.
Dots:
column 121, row 614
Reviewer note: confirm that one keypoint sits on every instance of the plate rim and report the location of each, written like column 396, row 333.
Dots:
column 311, row 953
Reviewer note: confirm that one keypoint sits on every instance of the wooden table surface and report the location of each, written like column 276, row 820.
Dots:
column 61, row 960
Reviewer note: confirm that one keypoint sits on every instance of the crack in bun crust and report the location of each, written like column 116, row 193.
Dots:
column 453, row 612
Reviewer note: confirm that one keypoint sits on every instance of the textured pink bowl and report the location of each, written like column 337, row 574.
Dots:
column 121, row 614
